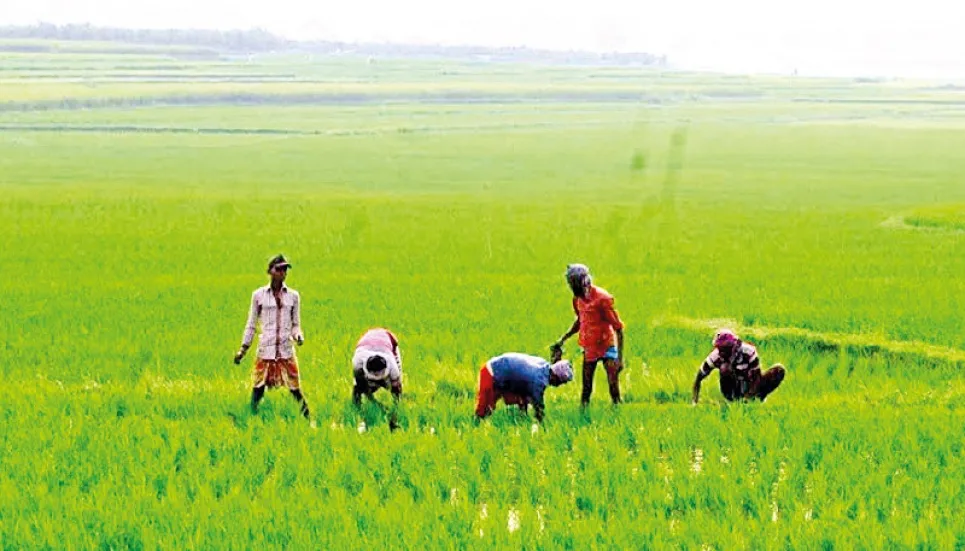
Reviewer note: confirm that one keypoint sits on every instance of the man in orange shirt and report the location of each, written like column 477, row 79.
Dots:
column 599, row 326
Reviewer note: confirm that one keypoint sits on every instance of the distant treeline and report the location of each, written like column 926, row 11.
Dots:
column 253, row 41
column 507, row 54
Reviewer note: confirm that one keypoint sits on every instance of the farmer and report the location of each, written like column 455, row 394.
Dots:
column 518, row 379
column 600, row 329
column 740, row 369
column 377, row 363
column 277, row 309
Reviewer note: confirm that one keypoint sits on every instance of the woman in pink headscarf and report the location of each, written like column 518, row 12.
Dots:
column 740, row 369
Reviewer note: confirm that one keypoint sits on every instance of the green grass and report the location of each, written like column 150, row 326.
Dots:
column 130, row 258
column 944, row 217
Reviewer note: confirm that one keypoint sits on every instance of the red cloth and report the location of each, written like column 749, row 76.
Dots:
column 488, row 395
column 598, row 319
column 275, row 373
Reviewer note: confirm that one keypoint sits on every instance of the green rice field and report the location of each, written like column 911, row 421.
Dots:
column 143, row 194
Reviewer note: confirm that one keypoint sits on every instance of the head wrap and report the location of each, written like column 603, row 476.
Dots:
column 578, row 275
column 563, row 371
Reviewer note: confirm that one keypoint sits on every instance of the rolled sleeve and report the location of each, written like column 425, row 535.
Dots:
column 395, row 375
column 712, row 362
column 537, row 398
column 249, row 334
column 610, row 314
column 297, row 316
column 705, row 368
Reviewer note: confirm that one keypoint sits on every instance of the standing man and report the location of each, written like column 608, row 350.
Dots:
column 600, row 329
column 740, row 369
column 518, row 379
column 377, row 363
column 277, row 309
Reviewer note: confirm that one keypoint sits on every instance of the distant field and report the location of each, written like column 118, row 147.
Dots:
column 831, row 232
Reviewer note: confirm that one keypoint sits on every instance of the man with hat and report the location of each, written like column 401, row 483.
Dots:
column 519, row 379
column 277, row 309
column 740, row 369
column 600, row 329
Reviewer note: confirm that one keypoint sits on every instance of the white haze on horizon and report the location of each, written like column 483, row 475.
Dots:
column 820, row 37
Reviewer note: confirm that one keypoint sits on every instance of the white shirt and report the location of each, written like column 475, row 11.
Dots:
column 279, row 324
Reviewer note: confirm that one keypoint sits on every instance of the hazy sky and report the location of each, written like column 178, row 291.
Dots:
column 835, row 37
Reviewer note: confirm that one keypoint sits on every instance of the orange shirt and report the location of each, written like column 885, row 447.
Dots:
column 598, row 319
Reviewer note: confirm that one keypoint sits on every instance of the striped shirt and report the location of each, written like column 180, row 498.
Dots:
column 741, row 362
column 280, row 322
